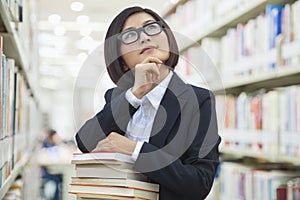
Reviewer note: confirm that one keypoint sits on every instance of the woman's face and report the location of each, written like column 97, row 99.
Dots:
column 154, row 46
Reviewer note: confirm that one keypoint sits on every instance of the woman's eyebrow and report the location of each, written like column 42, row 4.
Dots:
column 129, row 28
column 146, row 22
column 150, row 20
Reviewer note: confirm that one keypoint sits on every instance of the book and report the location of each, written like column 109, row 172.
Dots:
column 293, row 189
column 114, row 171
column 81, row 158
column 117, row 182
column 112, row 190
column 1, row 52
column 104, row 197
column 281, row 193
column 295, row 20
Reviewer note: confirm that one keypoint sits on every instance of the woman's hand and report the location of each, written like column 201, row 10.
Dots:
column 146, row 74
column 116, row 143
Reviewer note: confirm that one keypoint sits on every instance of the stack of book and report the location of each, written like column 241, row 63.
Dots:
column 109, row 176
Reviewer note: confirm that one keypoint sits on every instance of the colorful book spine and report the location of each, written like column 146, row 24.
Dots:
column 1, row 52
column 274, row 17
column 239, row 181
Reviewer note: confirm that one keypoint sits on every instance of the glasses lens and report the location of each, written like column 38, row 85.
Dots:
column 129, row 37
column 153, row 28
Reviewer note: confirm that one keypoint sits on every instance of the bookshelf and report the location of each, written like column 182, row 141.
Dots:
column 218, row 27
column 173, row 8
column 12, row 45
column 274, row 68
column 18, row 169
column 20, row 116
column 280, row 76
column 284, row 76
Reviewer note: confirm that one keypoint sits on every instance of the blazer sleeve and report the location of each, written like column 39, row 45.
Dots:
column 114, row 116
column 193, row 173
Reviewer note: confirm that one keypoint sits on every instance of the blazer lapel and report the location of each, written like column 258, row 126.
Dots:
column 168, row 111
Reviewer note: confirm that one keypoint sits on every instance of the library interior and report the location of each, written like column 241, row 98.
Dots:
column 56, row 69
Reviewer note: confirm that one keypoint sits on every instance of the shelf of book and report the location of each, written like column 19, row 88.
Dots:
column 12, row 43
column 20, row 115
column 257, row 181
column 259, row 70
column 279, row 77
column 220, row 26
column 172, row 9
column 5, row 17
column 18, row 168
column 265, row 156
column 266, row 145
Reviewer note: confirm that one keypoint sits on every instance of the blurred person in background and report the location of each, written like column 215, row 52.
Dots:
column 49, row 147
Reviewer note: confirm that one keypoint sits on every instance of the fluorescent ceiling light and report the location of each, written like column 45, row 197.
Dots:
column 73, row 26
column 77, row 6
column 86, row 43
column 87, row 40
column 51, row 82
column 54, row 18
column 59, row 30
column 85, row 31
column 51, row 71
column 47, row 39
column 60, row 45
column 83, row 19
column 50, row 52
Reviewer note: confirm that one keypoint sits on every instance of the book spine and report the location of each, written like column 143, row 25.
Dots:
column 1, row 52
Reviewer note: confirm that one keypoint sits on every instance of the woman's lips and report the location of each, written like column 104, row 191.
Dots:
column 147, row 49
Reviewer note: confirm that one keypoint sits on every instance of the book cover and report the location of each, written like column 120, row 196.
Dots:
column 116, row 182
column 1, row 52
column 3, row 96
column 274, row 13
column 104, row 197
column 11, row 82
column 100, row 157
column 293, row 189
column 295, row 20
column 105, row 171
column 112, row 190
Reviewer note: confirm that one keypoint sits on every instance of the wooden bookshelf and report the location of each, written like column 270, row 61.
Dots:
column 280, row 77
column 12, row 45
column 18, row 168
column 13, row 34
column 172, row 9
column 279, row 149
column 265, row 156
column 219, row 27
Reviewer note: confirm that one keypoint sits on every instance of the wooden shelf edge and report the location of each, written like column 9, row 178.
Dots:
column 172, row 9
column 222, row 23
column 5, row 15
column 274, row 158
column 15, row 50
column 15, row 172
column 15, row 44
column 280, row 73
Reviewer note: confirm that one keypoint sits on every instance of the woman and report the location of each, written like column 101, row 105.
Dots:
column 167, row 126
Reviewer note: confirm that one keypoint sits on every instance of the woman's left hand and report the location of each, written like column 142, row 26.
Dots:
column 116, row 143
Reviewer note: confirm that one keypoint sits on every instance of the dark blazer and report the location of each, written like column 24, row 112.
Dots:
column 182, row 154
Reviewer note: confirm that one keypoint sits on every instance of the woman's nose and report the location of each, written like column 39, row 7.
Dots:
column 144, row 37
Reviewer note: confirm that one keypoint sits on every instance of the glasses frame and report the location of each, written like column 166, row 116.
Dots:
column 138, row 30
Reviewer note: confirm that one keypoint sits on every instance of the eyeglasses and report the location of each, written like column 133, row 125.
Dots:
column 131, row 36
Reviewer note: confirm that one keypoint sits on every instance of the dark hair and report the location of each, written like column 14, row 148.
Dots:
column 51, row 132
column 113, row 57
